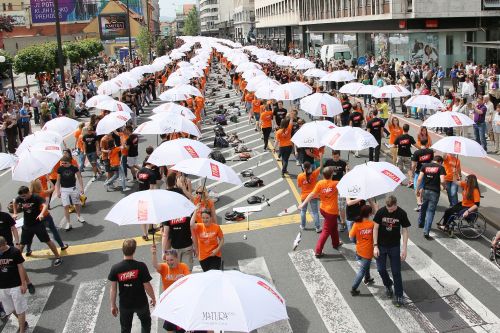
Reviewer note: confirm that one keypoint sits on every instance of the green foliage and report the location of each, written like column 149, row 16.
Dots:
column 4, row 66
column 82, row 50
column 144, row 43
column 192, row 23
column 161, row 47
column 31, row 60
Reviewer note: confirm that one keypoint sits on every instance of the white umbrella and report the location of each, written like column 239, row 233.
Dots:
column 137, row 72
column 183, row 113
column 172, row 152
column 338, row 76
column 321, row 105
column 315, row 72
column 366, row 89
column 172, row 96
column 36, row 161
column 62, row 125
column 175, row 55
column 448, row 119
column 168, row 107
column 112, row 122
column 176, row 79
column 266, row 90
column 251, row 73
column 291, row 91
column 108, row 88
column 114, row 105
column 53, row 95
column 190, row 71
column 425, row 102
column 391, row 91
column 351, row 88
column 459, row 145
column 310, row 134
column 349, row 138
column 284, row 61
column 246, row 66
column 94, row 100
column 205, row 167
column 183, row 64
column 39, row 137
column 150, row 207
column 170, row 123
column 221, row 300
column 7, row 161
column 256, row 82
column 180, row 90
column 125, row 82
column 369, row 180
column 302, row 63
column 263, row 60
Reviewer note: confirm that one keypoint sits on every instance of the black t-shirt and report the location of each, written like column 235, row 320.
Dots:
column 339, row 168
column 279, row 115
column 133, row 145
column 422, row 156
column 375, row 125
column 131, row 275
column 9, row 273
column 68, row 175
column 31, row 209
column 346, row 108
column 146, row 177
column 356, row 118
column 404, row 142
column 89, row 140
column 180, row 232
column 389, row 232
column 353, row 212
column 432, row 172
column 6, row 223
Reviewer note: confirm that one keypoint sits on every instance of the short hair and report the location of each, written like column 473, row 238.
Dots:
column 171, row 179
column 129, row 128
column 149, row 150
column 391, row 200
column 129, row 246
column 206, row 211
column 406, row 128
column 23, row 190
column 327, row 172
column 375, row 112
column 3, row 241
column 66, row 158
column 438, row 159
column 335, row 152
column 365, row 211
column 172, row 252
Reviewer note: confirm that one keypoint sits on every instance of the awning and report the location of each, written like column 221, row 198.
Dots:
column 485, row 44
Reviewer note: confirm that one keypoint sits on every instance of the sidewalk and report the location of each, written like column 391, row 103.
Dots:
column 20, row 82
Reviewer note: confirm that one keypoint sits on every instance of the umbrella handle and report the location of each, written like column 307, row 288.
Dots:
column 204, row 183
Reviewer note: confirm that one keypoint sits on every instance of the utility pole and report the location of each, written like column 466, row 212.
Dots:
column 60, row 58
column 129, row 37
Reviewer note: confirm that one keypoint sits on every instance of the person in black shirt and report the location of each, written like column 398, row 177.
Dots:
column 404, row 143
column 419, row 157
column 132, row 279
column 391, row 222
column 279, row 113
column 356, row 119
column 8, row 228
column 34, row 210
column 346, row 111
column 340, row 168
column 66, row 189
column 92, row 149
column 432, row 177
column 376, row 127
column 133, row 150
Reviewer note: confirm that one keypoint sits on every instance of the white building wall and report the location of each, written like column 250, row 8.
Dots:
column 276, row 13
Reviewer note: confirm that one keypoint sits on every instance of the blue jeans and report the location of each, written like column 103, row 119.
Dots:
column 480, row 134
column 52, row 227
column 81, row 160
column 364, row 271
column 429, row 203
column 314, row 211
column 452, row 190
column 395, row 258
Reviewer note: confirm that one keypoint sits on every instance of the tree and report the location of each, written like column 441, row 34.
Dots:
column 5, row 66
column 74, row 51
column 160, row 47
column 144, row 43
column 31, row 60
column 192, row 23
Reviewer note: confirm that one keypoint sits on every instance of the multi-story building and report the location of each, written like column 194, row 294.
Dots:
column 244, row 19
column 216, row 18
column 180, row 17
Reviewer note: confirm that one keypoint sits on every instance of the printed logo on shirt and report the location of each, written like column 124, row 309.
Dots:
column 142, row 176
column 142, row 210
column 215, row 170
column 356, row 118
column 404, row 142
column 268, row 288
column 457, row 147
column 456, row 120
column 127, row 276
column 431, row 170
column 389, row 223
column 177, row 221
column 323, row 109
column 425, row 158
column 391, row 175
column 191, row 151
column 376, row 123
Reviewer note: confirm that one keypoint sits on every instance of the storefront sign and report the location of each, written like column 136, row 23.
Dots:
column 431, row 23
column 18, row 17
column 402, row 24
column 112, row 26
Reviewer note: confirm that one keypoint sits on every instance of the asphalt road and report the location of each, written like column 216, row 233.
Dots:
column 450, row 285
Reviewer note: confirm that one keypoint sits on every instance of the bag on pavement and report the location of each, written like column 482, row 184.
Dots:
column 217, row 156
column 254, row 182
column 254, row 200
column 220, row 142
column 234, row 216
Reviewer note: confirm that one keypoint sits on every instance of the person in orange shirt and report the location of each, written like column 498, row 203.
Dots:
column 204, row 201
column 207, row 240
column 249, row 96
column 236, row 83
column 199, row 107
column 453, row 174
column 256, row 104
column 362, row 231
column 78, row 135
column 326, row 191
column 284, row 140
column 306, row 181
column 114, row 166
column 423, row 134
column 395, row 130
column 266, row 124
column 471, row 198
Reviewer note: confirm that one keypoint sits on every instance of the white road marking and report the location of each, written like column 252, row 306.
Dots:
column 234, row 188
column 6, row 172
column 289, row 210
column 136, row 323
column 246, row 144
column 258, row 267
column 85, row 309
column 331, row 305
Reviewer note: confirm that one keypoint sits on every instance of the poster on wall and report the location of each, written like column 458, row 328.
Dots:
column 381, row 51
column 424, row 48
column 113, row 26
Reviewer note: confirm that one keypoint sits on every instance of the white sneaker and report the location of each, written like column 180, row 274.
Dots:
column 81, row 219
column 301, row 227
column 126, row 189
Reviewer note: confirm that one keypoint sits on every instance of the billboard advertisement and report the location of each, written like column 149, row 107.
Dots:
column 113, row 26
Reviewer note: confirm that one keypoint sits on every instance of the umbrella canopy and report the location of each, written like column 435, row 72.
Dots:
column 185, row 89
column 291, row 91
column 425, row 102
column 251, row 73
column 112, row 122
column 172, row 152
column 39, row 137
column 125, row 81
column 176, row 79
column 321, row 105
column 369, row 180
column 150, row 207
column 263, row 60
column 221, row 300
column 460, row 146
column 349, row 138
column 7, row 161
column 315, row 72
column 391, row 91
column 170, row 123
column 113, row 105
column 182, row 113
column 284, row 61
column 448, row 119
column 310, row 134
column 338, row 76
column 94, row 100
column 108, row 88
column 256, row 82
column 36, row 161
column 168, row 107
column 366, row 89
column 302, row 63
column 266, row 89
column 246, row 66
column 351, row 88
column 206, row 167
column 62, row 125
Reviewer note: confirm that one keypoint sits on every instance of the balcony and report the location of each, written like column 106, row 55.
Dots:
column 491, row 4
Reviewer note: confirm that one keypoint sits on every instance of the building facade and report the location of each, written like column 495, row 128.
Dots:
column 244, row 19
column 216, row 18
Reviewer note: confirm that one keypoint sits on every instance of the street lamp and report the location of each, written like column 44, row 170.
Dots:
column 2, row 60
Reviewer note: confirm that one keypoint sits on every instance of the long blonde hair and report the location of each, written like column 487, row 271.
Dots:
column 36, row 186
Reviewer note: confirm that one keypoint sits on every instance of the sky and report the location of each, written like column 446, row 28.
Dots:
column 167, row 7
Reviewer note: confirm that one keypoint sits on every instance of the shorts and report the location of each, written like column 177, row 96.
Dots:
column 13, row 300
column 342, row 202
column 70, row 196
column 28, row 233
column 404, row 163
column 106, row 165
column 92, row 157
column 168, row 326
column 131, row 161
column 256, row 116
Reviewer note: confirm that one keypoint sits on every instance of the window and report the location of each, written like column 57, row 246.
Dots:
column 342, row 55
column 9, row 6
column 4, row 7
column 409, row 5
column 449, row 45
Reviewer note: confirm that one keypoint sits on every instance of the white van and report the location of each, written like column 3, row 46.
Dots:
column 337, row 52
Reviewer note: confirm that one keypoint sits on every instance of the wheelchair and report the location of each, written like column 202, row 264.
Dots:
column 470, row 227
column 495, row 254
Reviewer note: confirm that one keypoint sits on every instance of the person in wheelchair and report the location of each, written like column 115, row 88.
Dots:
column 471, row 197
column 495, row 242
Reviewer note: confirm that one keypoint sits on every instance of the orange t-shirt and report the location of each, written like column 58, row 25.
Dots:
column 284, row 136
column 114, row 157
column 243, row 84
column 170, row 275
column 256, row 104
column 249, row 96
column 394, row 133
column 78, row 139
column 266, row 118
column 207, row 204
column 207, row 238
column 43, row 181
column 305, row 186
column 363, row 232
column 328, row 194
column 451, row 166
column 199, row 103
column 123, row 143
column 476, row 196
